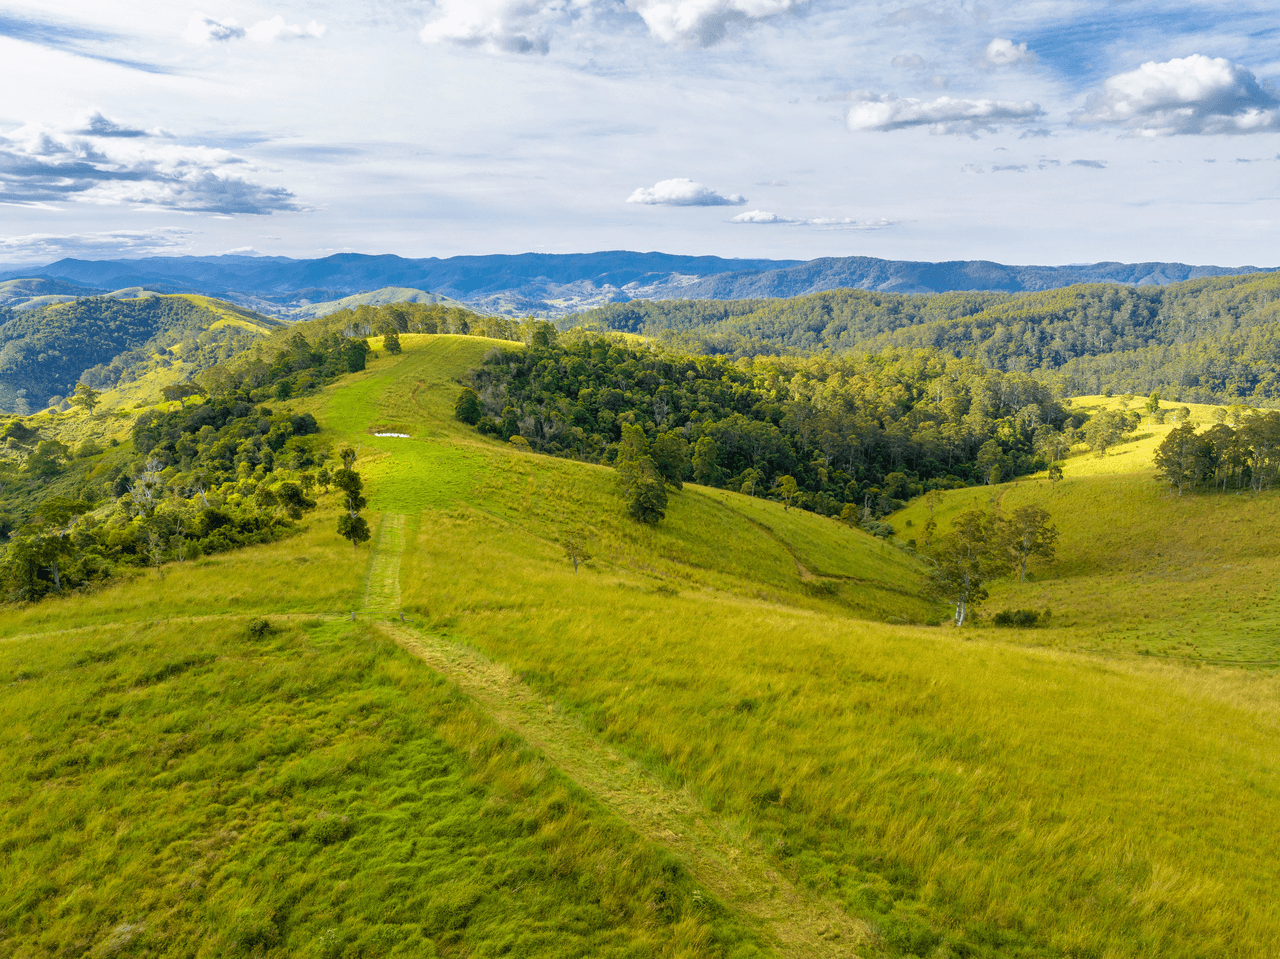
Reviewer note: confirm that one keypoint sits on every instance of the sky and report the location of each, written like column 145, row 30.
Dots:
column 1043, row 131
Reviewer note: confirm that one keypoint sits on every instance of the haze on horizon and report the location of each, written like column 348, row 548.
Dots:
column 1053, row 132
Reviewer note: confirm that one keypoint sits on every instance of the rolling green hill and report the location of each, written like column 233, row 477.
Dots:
column 25, row 294
column 729, row 734
column 381, row 297
column 109, row 340
column 1205, row 340
column 718, row 738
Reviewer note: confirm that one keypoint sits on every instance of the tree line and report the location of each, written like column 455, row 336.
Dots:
column 854, row 436
column 1208, row 340
column 1246, row 457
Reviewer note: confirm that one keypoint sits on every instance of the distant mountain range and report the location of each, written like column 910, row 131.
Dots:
column 557, row 284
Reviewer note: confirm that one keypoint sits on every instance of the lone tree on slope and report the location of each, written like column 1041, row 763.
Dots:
column 86, row 397
column 1029, row 535
column 351, row 525
column 966, row 559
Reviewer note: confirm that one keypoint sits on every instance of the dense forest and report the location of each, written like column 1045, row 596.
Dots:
column 1209, row 340
column 105, row 341
column 852, row 436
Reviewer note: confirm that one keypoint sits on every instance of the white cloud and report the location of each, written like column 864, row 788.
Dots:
column 766, row 218
column 43, row 247
column 527, row 26
column 203, row 29
column 511, row 26
column 703, row 21
column 276, row 29
column 683, row 192
column 760, row 216
column 40, row 165
column 943, row 115
column 1189, row 95
column 1004, row 53
column 905, row 61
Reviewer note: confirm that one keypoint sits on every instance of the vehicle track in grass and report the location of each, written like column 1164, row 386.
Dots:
column 382, row 582
column 718, row 853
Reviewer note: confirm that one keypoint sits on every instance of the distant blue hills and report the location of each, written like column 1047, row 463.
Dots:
column 555, row 284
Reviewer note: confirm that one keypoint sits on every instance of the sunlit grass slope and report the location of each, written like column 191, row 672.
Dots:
column 184, row 789
column 711, row 539
column 1139, row 569
column 964, row 796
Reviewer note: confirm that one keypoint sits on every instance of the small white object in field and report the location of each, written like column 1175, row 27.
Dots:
column 402, row 435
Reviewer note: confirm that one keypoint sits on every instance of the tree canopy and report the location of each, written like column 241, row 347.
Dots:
column 871, row 431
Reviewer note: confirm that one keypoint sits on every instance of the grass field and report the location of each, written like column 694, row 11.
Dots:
column 1140, row 570
column 187, row 790
column 977, row 792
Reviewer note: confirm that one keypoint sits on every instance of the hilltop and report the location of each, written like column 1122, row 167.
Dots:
column 45, row 350
column 729, row 734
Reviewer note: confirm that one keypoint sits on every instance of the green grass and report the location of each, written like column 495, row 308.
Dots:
column 982, row 792
column 958, row 793
column 185, row 790
column 1139, row 569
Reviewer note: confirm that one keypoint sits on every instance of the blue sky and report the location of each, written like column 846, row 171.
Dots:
column 1035, row 132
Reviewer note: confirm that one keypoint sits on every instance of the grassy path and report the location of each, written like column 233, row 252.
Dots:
column 382, row 584
column 719, row 854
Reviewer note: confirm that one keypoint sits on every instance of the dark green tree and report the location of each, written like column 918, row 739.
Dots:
column 351, row 525
column 671, row 456
column 291, row 497
column 354, row 528
column 391, row 343
column 643, row 485
column 468, row 408
column 1175, row 457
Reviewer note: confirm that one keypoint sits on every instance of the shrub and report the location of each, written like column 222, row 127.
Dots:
column 1021, row 618
column 260, row 628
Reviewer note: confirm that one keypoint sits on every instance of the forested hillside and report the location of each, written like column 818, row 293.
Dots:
column 105, row 341
column 855, row 434
column 1204, row 340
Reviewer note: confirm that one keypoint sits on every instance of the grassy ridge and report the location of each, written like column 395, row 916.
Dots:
column 964, row 793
